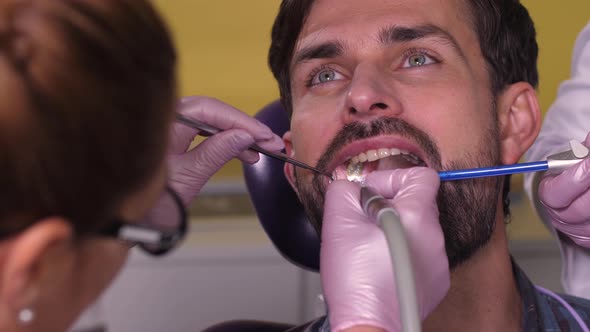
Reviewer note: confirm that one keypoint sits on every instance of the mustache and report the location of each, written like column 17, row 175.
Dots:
column 381, row 126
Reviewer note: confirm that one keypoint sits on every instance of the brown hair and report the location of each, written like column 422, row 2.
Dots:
column 93, row 87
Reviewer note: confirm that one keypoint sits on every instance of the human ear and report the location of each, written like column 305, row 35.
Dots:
column 35, row 257
column 519, row 120
column 288, row 168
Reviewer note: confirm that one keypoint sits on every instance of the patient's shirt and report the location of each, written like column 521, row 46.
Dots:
column 541, row 312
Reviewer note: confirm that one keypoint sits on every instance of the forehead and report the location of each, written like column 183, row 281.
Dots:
column 330, row 19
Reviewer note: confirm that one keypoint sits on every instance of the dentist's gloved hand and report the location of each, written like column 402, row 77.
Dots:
column 190, row 170
column 566, row 198
column 355, row 264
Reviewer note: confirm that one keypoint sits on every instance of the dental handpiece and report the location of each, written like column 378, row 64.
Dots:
column 208, row 130
column 556, row 162
column 378, row 209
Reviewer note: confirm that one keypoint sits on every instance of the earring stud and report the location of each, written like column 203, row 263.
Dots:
column 26, row 316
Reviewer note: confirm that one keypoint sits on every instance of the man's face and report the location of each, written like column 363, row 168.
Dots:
column 370, row 78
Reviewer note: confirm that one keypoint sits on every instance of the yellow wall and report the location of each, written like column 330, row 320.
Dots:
column 222, row 47
column 223, row 44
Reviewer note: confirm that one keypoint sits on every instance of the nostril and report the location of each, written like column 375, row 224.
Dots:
column 380, row 106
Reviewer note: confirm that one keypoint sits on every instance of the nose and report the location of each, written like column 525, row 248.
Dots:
column 370, row 94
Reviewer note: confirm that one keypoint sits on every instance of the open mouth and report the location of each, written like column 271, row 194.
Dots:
column 357, row 167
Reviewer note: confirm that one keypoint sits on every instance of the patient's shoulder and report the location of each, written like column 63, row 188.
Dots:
column 563, row 311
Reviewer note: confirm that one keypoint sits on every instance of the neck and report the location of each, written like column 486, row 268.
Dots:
column 483, row 294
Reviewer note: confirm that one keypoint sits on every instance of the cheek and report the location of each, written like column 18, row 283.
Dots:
column 457, row 121
column 104, row 261
column 114, row 257
column 312, row 128
column 98, row 261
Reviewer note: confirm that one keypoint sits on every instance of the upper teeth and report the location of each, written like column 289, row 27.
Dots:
column 356, row 165
column 372, row 155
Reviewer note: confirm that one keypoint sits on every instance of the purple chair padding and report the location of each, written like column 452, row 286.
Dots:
column 276, row 204
column 248, row 326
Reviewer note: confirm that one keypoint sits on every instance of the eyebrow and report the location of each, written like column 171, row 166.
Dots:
column 387, row 36
column 327, row 50
column 399, row 34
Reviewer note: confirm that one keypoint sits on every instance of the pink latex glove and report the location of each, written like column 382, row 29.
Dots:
column 566, row 198
column 355, row 264
column 189, row 171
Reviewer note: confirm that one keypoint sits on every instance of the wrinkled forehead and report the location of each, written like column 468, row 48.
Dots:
column 339, row 19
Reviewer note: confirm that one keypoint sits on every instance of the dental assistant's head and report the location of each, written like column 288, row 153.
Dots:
column 87, row 92
column 450, row 84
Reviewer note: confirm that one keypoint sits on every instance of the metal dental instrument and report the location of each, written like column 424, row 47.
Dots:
column 556, row 162
column 207, row 130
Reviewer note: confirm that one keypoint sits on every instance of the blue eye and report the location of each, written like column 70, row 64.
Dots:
column 325, row 76
column 418, row 60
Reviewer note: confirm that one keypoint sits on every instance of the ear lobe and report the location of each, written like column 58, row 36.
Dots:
column 288, row 168
column 519, row 119
column 30, row 256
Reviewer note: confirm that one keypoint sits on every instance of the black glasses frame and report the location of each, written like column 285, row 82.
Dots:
column 153, row 241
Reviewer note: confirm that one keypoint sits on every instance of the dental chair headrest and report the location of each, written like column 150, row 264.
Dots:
column 276, row 204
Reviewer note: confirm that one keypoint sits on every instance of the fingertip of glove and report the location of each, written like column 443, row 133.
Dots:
column 249, row 157
column 429, row 173
column 364, row 322
column 424, row 171
column 242, row 138
column 275, row 143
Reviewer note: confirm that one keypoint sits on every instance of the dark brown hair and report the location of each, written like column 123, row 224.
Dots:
column 94, row 89
column 505, row 30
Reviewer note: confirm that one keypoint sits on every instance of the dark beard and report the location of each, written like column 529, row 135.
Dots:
column 467, row 212
column 467, row 207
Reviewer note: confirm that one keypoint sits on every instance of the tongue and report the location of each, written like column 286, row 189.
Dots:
column 394, row 162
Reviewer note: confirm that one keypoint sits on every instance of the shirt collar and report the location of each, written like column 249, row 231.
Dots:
column 537, row 314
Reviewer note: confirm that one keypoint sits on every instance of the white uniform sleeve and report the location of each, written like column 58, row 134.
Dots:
column 568, row 118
